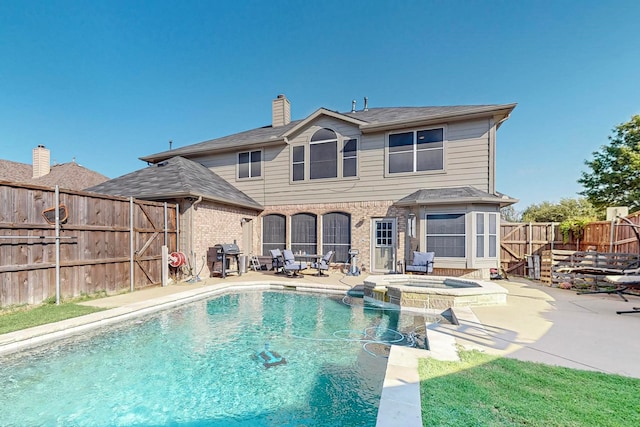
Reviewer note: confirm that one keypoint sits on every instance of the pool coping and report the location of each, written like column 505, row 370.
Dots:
column 400, row 398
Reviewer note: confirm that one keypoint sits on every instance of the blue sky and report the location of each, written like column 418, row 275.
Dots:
column 109, row 81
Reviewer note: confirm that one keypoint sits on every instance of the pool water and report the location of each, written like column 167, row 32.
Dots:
column 196, row 365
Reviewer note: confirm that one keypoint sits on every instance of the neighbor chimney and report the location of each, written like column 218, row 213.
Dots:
column 41, row 161
column 280, row 111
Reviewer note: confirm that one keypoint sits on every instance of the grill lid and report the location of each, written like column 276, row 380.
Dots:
column 228, row 248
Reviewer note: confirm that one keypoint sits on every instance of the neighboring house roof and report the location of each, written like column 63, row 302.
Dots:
column 15, row 172
column 70, row 176
column 455, row 195
column 174, row 179
column 374, row 119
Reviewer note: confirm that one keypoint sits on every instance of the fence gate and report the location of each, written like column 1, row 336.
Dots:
column 107, row 243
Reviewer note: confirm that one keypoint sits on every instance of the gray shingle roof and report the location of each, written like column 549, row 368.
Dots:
column 395, row 114
column 173, row 179
column 71, row 176
column 454, row 195
column 263, row 135
column 15, row 172
column 374, row 116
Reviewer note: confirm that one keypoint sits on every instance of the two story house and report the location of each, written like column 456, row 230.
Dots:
column 384, row 181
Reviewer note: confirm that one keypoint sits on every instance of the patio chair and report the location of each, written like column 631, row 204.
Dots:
column 277, row 261
column 291, row 266
column 422, row 262
column 323, row 264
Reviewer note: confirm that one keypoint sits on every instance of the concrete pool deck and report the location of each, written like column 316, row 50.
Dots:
column 537, row 323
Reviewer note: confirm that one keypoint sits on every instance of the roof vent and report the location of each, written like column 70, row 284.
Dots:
column 366, row 104
column 353, row 106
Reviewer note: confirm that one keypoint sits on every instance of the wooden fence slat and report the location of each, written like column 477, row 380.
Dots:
column 520, row 240
column 96, row 259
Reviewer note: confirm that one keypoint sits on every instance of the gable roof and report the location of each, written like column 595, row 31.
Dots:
column 457, row 195
column 372, row 120
column 70, row 176
column 174, row 179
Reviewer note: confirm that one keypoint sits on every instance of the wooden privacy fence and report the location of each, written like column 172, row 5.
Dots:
column 105, row 244
column 520, row 242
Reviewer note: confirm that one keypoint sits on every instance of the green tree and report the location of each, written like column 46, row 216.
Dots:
column 614, row 178
column 509, row 214
column 566, row 209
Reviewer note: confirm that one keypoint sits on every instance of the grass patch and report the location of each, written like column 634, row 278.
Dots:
column 23, row 317
column 484, row 390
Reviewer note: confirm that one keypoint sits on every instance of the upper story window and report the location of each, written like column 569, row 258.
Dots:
column 250, row 164
column 298, row 163
column 323, row 155
column 350, row 158
column 326, row 156
column 416, row 151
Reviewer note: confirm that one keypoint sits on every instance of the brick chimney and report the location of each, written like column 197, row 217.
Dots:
column 280, row 111
column 41, row 161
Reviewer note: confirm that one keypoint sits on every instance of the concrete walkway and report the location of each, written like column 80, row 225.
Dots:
column 557, row 327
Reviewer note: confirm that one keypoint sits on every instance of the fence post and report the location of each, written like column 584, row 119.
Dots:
column 166, row 232
column 611, row 234
column 57, row 205
column 165, row 266
column 131, row 249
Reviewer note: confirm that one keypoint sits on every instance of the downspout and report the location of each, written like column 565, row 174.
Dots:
column 193, row 206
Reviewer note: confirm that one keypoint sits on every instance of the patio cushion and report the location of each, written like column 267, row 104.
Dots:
column 419, row 258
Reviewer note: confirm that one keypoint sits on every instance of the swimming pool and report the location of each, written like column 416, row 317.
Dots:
column 195, row 365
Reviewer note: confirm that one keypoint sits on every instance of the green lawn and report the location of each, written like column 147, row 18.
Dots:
column 16, row 319
column 484, row 390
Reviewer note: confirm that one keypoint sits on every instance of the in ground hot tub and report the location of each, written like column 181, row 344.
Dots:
column 431, row 292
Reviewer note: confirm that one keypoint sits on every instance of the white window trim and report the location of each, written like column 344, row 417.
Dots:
column 415, row 130
column 486, row 219
column 341, row 140
column 465, row 234
column 250, row 178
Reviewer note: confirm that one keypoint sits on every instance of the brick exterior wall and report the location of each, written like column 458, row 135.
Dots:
column 208, row 224
column 361, row 215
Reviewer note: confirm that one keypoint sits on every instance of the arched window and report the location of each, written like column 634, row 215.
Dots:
column 274, row 232
column 323, row 154
column 336, row 235
column 304, row 233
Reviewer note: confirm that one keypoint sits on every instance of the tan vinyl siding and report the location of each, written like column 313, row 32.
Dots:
column 466, row 164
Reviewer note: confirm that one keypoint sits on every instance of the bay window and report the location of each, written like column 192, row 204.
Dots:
column 445, row 235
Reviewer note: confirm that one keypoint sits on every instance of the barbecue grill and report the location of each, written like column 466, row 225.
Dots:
column 220, row 257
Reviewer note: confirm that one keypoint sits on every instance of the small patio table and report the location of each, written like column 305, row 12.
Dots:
column 316, row 257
